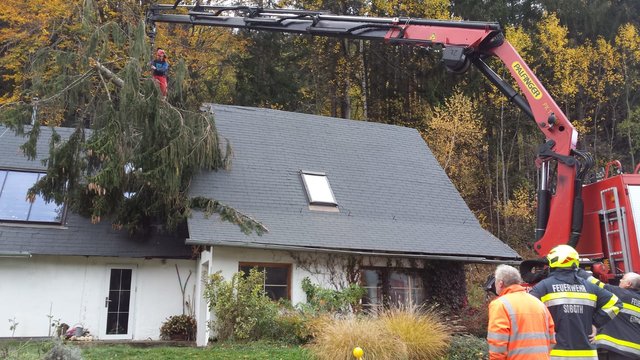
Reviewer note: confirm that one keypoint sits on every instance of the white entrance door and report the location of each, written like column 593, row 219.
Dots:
column 118, row 302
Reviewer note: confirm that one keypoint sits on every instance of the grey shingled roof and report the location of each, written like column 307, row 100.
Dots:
column 77, row 236
column 393, row 196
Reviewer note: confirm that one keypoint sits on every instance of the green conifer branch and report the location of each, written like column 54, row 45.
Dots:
column 132, row 155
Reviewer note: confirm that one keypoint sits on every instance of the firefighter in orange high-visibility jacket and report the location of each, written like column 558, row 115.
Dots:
column 520, row 326
column 575, row 305
column 619, row 339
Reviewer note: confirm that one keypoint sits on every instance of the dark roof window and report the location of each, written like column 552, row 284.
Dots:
column 14, row 205
column 318, row 188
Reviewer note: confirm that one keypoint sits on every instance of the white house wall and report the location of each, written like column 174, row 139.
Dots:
column 73, row 290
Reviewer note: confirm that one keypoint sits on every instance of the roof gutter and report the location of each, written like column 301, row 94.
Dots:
column 15, row 254
column 468, row 259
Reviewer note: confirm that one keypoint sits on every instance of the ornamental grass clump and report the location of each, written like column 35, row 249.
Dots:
column 407, row 333
column 336, row 339
column 421, row 330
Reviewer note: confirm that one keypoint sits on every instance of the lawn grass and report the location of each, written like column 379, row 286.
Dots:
column 24, row 350
column 251, row 351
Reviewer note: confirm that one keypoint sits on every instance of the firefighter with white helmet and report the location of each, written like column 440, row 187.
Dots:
column 575, row 305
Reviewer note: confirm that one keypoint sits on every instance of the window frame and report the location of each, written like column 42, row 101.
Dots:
column 40, row 173
column 332, row 203
column 265, row 265
column 386, row 289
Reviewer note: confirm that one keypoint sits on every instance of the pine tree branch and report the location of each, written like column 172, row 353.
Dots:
column 74, row 83
column 209, row 206
column 106, row 88
column 177, row 112
column 71, row 85
column 106, row 72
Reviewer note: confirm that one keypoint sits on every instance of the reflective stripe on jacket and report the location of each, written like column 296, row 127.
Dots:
column 622, row 334
column 575, row 304
column 558, row 354
column 520, row 327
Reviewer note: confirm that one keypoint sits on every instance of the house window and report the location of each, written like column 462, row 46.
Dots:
column 392, row 287
column 277, row 278
column 14, row 205
column 318, row 189
column 372, row 283
column 406, row 288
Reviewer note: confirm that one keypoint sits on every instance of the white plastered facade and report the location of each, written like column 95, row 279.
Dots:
column 38, row 291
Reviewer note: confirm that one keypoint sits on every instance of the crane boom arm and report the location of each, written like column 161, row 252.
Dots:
column 463, row 43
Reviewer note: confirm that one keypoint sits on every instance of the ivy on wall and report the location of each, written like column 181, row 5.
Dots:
column 445, row 284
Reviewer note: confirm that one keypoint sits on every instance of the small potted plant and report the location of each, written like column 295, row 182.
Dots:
column 178, row 327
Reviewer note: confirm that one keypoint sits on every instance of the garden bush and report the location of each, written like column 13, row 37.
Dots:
column 328, row 300
column 467, row 347
column 293, row 327
column 178, row 327
column 242, row 309
column 474, row 320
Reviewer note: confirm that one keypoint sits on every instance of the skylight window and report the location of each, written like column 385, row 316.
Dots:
column 318, row 189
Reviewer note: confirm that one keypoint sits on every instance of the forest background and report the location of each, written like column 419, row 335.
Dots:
column 586, row 53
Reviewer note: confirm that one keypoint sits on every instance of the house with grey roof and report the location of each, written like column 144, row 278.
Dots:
column 343, row 201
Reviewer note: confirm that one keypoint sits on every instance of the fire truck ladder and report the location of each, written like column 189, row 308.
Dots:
column 615, row 224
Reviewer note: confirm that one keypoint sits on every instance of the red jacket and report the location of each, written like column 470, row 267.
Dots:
column 520, row 327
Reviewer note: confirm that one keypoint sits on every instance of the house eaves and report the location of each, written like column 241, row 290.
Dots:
column 383, row 254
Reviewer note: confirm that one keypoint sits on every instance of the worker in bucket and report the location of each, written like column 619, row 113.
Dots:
column 160, row 68
column 520, row 326
column 619, row 339
column 575, row 305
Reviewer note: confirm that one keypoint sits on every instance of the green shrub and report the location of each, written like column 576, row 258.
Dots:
column 292, row 328
column 242, row 309
column 328, row 300
column 178, row 326
column 467, row 347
